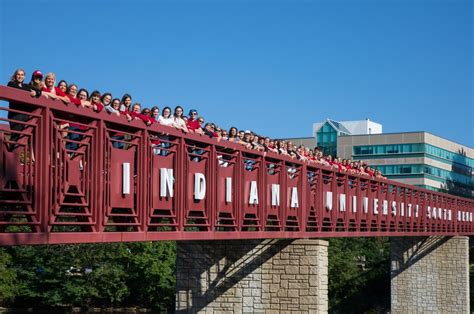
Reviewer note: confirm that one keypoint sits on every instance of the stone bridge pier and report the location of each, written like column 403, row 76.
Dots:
column 252, row 276
column 430, row 274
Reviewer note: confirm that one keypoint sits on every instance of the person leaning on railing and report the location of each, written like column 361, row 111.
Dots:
column 17, row 81
column 192, row 123
column 179, row 122
column 52, row 91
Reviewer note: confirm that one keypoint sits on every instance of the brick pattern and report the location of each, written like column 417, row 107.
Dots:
column 430, row 275
column 256, row 276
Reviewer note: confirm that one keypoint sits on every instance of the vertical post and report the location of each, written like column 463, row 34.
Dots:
column 43, row 188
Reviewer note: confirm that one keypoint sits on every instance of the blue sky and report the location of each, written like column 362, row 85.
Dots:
column 275, row 67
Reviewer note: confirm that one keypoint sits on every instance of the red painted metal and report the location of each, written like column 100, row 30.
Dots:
column 65, row 185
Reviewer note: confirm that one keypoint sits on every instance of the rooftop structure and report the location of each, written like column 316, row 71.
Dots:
column 327, row 132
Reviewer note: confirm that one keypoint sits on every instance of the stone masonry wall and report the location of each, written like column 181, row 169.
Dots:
column 430, row 275
column 256, row 276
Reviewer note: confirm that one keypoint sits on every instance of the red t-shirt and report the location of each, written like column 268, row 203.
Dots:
column 143, row 117
column 57, row 91
column 99, row 106
column 193, row 125
column 74, row 100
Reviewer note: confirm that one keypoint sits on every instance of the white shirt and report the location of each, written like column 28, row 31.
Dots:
column 166, row 121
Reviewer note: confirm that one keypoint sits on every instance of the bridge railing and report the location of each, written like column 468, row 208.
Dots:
column 71, row 175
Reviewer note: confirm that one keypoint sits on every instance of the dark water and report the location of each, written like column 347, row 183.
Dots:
column 69, row 310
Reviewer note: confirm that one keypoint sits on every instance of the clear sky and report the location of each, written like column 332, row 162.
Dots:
column 274, row 67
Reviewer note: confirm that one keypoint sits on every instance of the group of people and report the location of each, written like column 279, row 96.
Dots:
column 46, row 86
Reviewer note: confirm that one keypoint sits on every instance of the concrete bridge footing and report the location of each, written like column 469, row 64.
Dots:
column 252, row 276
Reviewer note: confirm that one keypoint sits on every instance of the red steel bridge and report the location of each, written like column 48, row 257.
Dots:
column 109, row 180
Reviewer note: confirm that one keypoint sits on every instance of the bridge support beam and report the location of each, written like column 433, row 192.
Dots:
column 430, row 274
column 252, row 276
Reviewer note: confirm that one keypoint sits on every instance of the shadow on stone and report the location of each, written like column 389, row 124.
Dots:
column 406, row 251
column 217, row 266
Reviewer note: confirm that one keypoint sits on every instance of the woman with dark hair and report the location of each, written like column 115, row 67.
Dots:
column 106, row 99
column 113, row 107
column 126, row 102
column 146, row 112
column 179, row 122
column 210, row 130
column 155, row 113
column 256, row 144
column 283, row 148
column 95, row 101
column 166, row 118
column 63, row 86
column 83, row 94
column 17, row 81
column 233, row 135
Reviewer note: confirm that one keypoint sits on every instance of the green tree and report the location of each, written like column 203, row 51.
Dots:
column 106, row 274
column 359, row 279
column 152, row 279
column 8, row 286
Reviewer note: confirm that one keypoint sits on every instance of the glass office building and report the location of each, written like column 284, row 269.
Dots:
column 417, row 158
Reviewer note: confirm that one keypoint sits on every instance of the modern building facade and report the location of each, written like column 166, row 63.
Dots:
column 416, row 158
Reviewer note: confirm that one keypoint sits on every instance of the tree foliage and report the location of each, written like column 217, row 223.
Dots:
column 359, row 278
column 118, row 274
column 8, row 286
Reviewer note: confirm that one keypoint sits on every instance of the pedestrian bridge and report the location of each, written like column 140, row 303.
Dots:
column 97, row 188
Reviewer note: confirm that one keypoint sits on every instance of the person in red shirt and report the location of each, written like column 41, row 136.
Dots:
column 192, row 122
column 95, row 101
column 135, row 113
column 72, row 95
column 54, row 91
column 63, row 86
column 155, row 113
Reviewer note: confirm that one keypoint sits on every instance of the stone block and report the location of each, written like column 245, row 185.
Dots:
column 292, row 270
column 282, row 293
column 247, row 301
column 293, row 293
column 298, row 285
column 274, row 288
column 276, row 278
